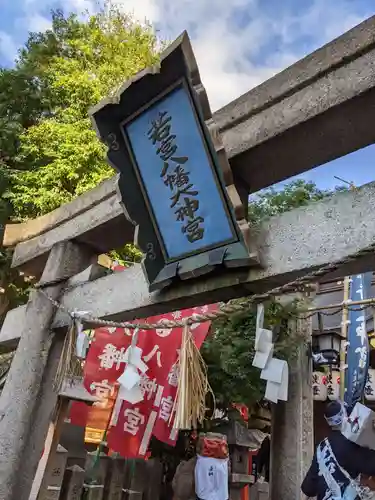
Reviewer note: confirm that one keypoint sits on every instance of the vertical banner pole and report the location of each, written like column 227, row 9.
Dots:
column 344, row 335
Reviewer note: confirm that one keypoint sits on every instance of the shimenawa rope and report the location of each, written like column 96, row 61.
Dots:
column 224, row 310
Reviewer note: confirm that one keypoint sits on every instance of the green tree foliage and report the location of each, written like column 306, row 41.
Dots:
column 49, row 152
column 228, row 353
column 20, row 106
column 127, row 255
column 294, row 194
column 229, row 350
column 77, row 63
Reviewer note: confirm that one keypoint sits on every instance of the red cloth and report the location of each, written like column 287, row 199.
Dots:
column 213, row 448
column 152, row 416
column 135, row 424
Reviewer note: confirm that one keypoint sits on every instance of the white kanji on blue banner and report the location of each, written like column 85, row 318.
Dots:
column 358, row 345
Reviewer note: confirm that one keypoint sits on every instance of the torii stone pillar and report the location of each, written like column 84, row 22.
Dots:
column 292, row 427
column 28, row 400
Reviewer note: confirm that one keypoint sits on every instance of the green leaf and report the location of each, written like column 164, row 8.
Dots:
column 49, row 153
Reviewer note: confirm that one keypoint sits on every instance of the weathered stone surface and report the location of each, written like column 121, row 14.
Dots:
column 133, row 495
column 239, row 458
column 72, row 437
column 55, row 476
column 240, row 480
column 292, row 428
column 135, row 479
column 73, row 483
column 138, row 476
column 260, row 491
column 239, row 461
column 96, row 469
column 344, row 223
column 93, row 272
column 41, row 469
column 96, row 473
column 95, row 491
column 239, row 435
column 44, row 414
column 10, row 332
column 27, row 396
column 11, row 326
column 73, row 389
column 83, row 227
column 51, row 493
column 58, row 467
column 154, row 471
column 115, row 479
column 15, row 233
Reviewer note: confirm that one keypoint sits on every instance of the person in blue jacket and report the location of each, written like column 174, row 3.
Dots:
column 337, row 462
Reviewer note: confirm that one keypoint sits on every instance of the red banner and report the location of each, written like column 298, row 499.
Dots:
column 99, row 381
column 135, row 424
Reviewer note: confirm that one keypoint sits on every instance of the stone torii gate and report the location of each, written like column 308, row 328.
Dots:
column 313, row 112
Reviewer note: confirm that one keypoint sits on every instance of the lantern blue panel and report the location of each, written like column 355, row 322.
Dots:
column 179, row 181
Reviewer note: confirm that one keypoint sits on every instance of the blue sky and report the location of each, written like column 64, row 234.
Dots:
column 238, row 45
column 358, row 167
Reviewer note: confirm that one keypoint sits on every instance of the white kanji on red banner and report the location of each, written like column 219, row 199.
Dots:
column 148, row 386
column 111, row 356
column 173, row 375
column 102, row 390
column 133, row 420
column 166, row 407
column 155, row 351
column 154, row 415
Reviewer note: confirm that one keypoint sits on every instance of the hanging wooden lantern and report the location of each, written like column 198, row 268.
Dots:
column 370, row 385
column 319, row 381
column 333, row 385
column 326, row 348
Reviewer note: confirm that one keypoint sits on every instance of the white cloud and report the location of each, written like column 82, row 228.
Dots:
column 228, row 56
column 36, row 22
column 8, row 47
column 149, row 10
column 236, row 43
column 68, row 5
column 221, row 50
column 33, row 20
column 79, row 5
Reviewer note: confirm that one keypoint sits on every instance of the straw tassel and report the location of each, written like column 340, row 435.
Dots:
column 193, row 386
column 69, row 365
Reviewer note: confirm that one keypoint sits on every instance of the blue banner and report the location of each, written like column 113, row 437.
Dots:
column 357, row 358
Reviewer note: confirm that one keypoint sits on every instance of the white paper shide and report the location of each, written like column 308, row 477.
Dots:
column 275, row 371
column 129, row 380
